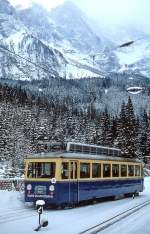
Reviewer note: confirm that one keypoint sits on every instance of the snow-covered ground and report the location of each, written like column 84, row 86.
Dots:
column 16, row 217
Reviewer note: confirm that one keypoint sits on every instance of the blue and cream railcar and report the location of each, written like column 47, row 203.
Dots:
column 82, row 172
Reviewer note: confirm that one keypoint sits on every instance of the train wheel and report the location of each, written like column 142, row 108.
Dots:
column 129, row 195
column 94, row 201
column 62, row 206
column 59, row 207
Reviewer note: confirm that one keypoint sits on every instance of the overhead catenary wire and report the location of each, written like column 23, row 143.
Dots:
column 29, row 61
column 53, row 73
column 125, row 44
column 94, row 55
column 128, row 43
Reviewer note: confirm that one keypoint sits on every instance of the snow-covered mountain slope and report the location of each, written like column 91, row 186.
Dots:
column 73, row 26
column 137, row 56
column 134, row 57
column 15, row 37
column 33, row 34
column 38, row 21
column 9, row 24
column 62, row 45
column 73, row 36
column 59, row 28
column 29, row 47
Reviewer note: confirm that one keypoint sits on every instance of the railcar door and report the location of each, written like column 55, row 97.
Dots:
column 74, row 186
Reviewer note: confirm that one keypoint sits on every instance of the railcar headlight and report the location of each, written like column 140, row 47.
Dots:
column 29, row 187
column 51, row 188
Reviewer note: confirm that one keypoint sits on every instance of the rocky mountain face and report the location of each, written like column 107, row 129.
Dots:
column 9, row 23
column 73, row 26
column 16, row 38
column 64, row 46
column 38, row 21
column 65, row 26
column 73, row 36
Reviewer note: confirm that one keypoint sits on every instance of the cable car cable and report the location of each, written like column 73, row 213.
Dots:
column 27, row 60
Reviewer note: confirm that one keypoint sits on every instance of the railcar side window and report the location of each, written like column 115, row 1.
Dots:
column 65, row 170
column 84, row 170
column 130, row 170
column 123, row 170
column 99, row 151
column 96, row 170
column 41, row 170
column 137, row 170
column 115, row 170
column 106, row 170
column 93, row 150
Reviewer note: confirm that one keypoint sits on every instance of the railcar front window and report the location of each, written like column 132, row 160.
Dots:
column 41, row 170
column 130, row 170
column 123, row 170
column 115, row 170
column 84, row 170
column 106, row 170
column 96, row 170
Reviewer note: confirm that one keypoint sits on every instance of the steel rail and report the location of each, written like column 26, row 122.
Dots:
column 109, row 222
column 15, row 215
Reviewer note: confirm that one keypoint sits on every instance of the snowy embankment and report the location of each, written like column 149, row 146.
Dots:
column 146, row 172
column 16, row 217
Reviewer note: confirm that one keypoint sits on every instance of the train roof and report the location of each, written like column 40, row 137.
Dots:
column 74, row 144
column 75, row 155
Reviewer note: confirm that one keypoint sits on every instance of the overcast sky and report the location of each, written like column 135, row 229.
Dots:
column 107, row 12
column 47, row 3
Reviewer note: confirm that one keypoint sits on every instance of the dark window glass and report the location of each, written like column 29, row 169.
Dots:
column 137, row 170
column 85, row 148
column 75, row 170
column 142, row 171
column 78, row 148
column 130, row 170
column 106, row 170
column 71, row 170
column 93, row 150
column 71, row 147
column 115, row 170
column 110, row 152
column 105, row 151
column 96, row 170
column 41, row 170
column 123, row 170
column 99, row 151
column 84, row 170
column 65, row 170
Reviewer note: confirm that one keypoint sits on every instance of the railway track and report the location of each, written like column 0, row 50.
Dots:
column 15, row 214
column 109, row 222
